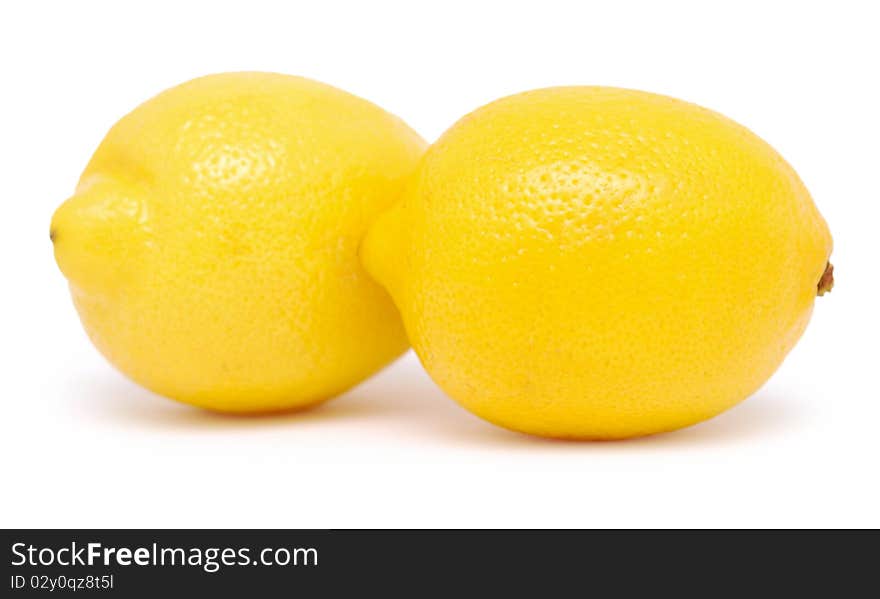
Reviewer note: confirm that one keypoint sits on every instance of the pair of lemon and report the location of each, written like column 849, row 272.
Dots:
column 578, row 262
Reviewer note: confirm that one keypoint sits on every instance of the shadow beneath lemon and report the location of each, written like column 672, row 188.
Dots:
column 402, row 401
column 762, row 416
column 401, row 394
column 765, row 414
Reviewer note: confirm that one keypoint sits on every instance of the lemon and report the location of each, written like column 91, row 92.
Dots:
column 599, row 263
column 211, row 244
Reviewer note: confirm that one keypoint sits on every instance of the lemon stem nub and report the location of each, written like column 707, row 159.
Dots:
column 826, row 282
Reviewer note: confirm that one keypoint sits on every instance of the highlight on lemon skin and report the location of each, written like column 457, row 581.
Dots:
column 211, row 243
column 635, row 264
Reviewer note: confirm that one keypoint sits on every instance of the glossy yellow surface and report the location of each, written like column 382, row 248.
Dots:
column 211, row 244
column 599, row 263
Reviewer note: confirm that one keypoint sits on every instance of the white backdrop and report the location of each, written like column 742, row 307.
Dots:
column 82, row 446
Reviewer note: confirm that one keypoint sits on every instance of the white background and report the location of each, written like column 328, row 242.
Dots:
column 82, row 446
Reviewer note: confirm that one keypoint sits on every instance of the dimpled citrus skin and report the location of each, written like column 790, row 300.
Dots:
column 599, row 263
column 211, row 244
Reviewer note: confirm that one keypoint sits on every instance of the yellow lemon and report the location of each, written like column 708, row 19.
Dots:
column 211, row 244
column 599, row 263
